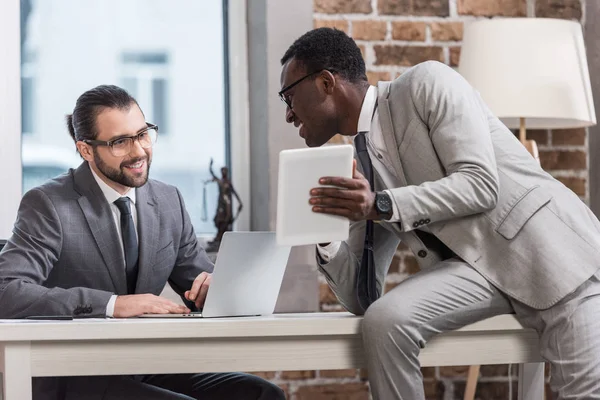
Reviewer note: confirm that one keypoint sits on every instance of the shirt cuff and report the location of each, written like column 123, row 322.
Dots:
column 328, row 252
column 396, row 211
column 110, row 307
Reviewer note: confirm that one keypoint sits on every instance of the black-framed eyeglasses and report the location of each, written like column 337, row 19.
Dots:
column 281, row 93
column 121, row 146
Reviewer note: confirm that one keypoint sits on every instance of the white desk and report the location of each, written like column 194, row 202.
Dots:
column 281, row 342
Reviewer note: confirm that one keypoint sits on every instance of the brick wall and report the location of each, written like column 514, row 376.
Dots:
column 394, row 35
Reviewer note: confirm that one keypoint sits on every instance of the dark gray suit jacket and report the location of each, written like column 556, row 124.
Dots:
column 64, row 256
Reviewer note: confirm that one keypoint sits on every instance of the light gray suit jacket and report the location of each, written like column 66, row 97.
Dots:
column 64, row 256
column 468, row 181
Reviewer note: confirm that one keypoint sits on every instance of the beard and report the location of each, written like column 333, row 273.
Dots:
column 121, row 176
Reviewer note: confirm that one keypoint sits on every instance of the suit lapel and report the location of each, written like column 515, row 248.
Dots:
column 148, row 231
column 388, row 132
column 101, row 222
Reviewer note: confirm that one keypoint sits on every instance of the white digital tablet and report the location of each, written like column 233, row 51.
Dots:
column 299, row 172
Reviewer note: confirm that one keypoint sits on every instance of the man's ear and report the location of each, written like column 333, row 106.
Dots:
column 329, row 81
column 85, row 150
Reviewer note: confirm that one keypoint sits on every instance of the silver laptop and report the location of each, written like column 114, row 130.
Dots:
column 247, row 277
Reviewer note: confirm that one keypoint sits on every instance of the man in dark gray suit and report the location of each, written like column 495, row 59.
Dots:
column 103, row 240
column 492, row 232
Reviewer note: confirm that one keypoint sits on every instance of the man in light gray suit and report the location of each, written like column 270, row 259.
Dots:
column 492, row 232
column 103, row 240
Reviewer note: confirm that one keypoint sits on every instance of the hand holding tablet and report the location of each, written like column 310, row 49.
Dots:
column 299, row 172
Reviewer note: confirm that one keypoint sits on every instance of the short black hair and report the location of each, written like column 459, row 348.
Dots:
column 82, row 123
column 327, row 48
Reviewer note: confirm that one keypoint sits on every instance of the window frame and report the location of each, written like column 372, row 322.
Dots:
column 236, row 98
column 145, row 74
column 10, row 115
column 28, row 71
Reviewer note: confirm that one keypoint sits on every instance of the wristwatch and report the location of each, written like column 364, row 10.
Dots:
column 383, row 205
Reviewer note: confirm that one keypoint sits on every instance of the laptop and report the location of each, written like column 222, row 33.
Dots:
column 247, row 277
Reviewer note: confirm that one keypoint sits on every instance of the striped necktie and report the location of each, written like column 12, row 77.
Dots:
column 366, row 284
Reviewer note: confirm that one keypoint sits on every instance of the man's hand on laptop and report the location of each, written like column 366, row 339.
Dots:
column 138, row 304
column 197, row 293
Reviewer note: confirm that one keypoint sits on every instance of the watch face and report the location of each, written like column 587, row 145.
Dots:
column 384, row 204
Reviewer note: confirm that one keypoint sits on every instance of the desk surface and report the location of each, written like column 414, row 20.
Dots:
column 278, row 325
column 269, row 343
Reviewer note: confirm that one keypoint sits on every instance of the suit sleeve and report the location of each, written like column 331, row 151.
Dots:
column 458, row 128
column 191, row 260
column 28, row 259
column 341, row 272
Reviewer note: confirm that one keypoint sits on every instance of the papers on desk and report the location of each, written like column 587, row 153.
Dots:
column 25, row 321
column 34, row 321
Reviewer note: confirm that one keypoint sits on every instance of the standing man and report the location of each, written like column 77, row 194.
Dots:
column 103, row 240
column 492, row 232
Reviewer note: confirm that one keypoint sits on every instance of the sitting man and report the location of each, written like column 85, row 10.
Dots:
column 103, row 240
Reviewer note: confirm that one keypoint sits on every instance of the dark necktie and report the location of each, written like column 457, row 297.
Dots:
column 366, row 283
column 130, row 243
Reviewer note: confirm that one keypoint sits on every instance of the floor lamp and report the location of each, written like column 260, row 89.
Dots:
column 531, row 72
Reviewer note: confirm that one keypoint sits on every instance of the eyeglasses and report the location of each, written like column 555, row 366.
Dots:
column 122, row 146
column 287, row 101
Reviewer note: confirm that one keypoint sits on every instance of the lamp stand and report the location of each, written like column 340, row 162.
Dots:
column 473, row 373
column 530, row 145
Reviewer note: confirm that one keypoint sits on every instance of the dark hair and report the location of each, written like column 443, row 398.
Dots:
column 82, row 123
column 326, row 48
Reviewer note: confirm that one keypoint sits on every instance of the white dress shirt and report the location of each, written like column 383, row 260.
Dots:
column 369, row 122
column 111, row 195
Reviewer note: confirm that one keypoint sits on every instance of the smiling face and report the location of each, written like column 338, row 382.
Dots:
column 130, row 170
column 313, row 105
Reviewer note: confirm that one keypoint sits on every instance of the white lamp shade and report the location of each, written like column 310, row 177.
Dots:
column 532, row 68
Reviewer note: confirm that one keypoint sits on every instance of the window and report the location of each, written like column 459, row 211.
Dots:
column 27, row 94
column 145, row 76
column 169, row 55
